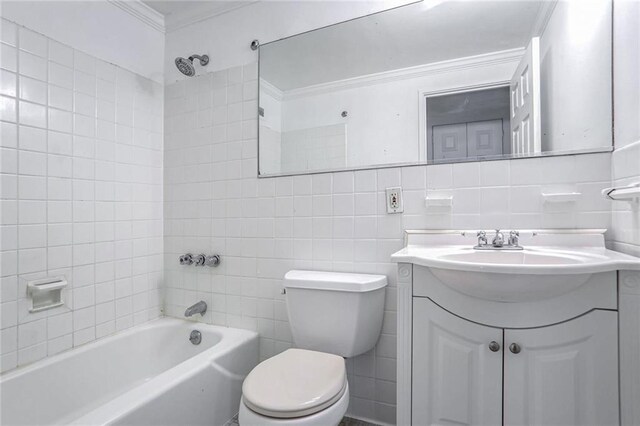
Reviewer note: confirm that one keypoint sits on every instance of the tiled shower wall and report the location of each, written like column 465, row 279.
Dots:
column 81, row 194
column 214, row 203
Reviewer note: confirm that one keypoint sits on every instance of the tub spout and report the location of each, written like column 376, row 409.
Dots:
column 198, row 308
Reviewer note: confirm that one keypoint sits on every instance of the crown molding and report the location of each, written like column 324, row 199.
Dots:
column 142, row 12
column 466, row 63
column 543, row 17
column 201, row 12
column 271, row 90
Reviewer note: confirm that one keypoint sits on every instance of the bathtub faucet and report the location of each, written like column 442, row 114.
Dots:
column 198, row 308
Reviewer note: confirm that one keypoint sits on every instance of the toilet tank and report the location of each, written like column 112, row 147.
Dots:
column 335, row 312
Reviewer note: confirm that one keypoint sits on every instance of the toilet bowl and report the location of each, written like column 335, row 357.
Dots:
column 296, row 387
column 332, row 316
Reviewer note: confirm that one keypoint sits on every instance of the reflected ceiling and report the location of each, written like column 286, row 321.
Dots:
column 379, row 43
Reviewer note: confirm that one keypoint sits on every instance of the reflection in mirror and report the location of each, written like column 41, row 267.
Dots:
column 438, row 81
column 469, row 124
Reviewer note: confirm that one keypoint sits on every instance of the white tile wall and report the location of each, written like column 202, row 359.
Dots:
column 316, row 148
column 263, row 227
column 625, row 216
column 625, row 229
column 81, row 174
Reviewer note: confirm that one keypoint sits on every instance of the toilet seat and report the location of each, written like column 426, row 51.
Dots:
column 295, row 383
column 330, row 416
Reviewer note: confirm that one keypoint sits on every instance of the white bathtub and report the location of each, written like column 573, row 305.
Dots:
column 149, row 375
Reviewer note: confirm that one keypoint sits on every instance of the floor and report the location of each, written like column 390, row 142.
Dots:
column 346, row 421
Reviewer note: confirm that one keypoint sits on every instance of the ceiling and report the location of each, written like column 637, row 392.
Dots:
column 417, row 34
column 179, row 13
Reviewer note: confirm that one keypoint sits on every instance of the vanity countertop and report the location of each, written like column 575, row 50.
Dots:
column 558, row 252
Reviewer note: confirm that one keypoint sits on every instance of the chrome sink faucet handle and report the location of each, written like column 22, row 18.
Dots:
column 482, row 238
column 513, row 238
column 498, row 240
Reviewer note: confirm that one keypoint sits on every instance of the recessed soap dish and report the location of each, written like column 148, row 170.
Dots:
column 436, row 200
column 46, row 293
column 561, row 197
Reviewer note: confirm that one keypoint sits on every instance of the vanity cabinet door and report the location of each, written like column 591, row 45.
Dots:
column 565, row 374
column 457, row 371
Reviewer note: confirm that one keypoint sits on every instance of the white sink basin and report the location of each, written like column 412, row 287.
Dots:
column 513, row 276
column 521, row 257
column 547, row 267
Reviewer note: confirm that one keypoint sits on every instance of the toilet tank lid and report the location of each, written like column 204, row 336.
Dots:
column 334, row 281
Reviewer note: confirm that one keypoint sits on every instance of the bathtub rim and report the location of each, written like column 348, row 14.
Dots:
column 230, row 339
column 225, row 332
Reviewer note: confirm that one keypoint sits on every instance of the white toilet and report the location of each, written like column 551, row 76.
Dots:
column 332, row 315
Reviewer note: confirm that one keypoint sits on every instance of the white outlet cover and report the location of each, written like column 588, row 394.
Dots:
column 394, row 200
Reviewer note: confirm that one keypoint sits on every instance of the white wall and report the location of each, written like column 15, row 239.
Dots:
column 383, row 122
column 81, row 194
column 97, row 28
column 270, row 128
column 624, row 234
column 625, row 230
column 316, row 148
column 226, row 38
column 626, row 67
column 575, row 70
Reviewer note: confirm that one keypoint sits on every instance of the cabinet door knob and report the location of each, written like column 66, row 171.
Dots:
column 514, row 348
column 494, row 346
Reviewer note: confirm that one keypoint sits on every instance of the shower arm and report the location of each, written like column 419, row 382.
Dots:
column 204, row 60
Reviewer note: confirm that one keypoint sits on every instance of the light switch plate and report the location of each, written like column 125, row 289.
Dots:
column 394, row 200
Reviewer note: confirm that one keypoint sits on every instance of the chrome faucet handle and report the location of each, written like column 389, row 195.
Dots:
column 513, row 238
column 186, row 259
column 482, row 238
column 212, row 260
column 199, row 260
column 498, row 240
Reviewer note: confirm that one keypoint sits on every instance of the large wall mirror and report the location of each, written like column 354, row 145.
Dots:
column 439, row 82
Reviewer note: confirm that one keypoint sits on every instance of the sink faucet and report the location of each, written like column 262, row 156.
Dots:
column 513, row 238
column 198, row 308
column 482, row 238
column 498, row 242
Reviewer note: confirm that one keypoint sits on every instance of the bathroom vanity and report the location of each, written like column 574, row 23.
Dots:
column 531, row 335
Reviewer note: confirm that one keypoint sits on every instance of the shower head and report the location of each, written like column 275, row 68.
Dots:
column 185, row 66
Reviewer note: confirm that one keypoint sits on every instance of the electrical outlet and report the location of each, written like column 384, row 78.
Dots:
column 394, row 200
